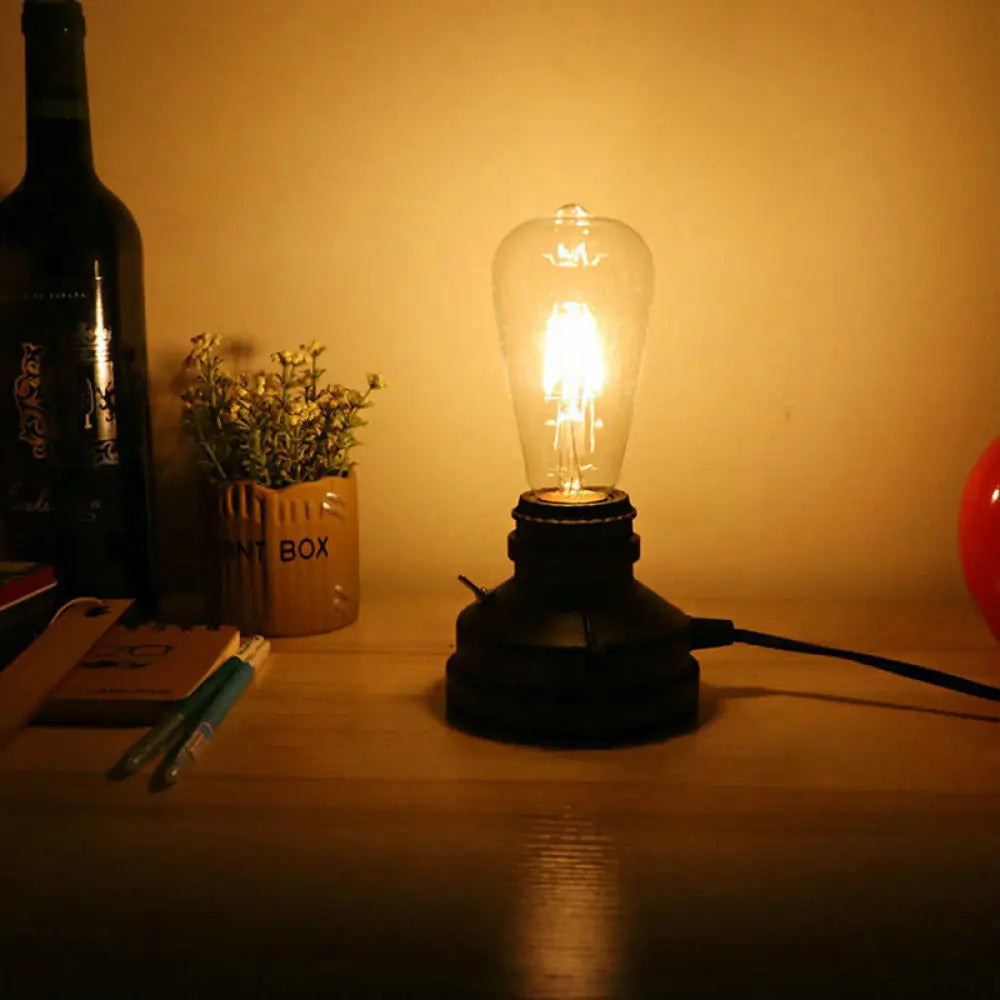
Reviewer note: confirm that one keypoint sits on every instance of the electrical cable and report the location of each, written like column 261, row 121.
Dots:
column 709, row 633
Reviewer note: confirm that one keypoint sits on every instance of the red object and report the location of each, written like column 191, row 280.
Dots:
column 19, row 581
column 979, row 535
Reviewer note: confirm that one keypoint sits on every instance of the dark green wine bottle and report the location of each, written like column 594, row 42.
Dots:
column 75, row 449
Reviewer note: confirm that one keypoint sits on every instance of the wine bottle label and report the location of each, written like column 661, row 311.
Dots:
column 94, row 351
column 84, row 432
column 29, row 402
column 98, row 399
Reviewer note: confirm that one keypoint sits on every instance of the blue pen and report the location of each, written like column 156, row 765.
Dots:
column 165, row 732
column 211, row 719
column 168, row 729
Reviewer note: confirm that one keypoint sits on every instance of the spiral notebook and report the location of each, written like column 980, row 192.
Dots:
column 132, row 675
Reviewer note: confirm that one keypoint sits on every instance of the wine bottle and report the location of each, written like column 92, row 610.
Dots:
column 75, row 449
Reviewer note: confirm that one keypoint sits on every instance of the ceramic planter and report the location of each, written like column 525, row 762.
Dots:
column 285, row 562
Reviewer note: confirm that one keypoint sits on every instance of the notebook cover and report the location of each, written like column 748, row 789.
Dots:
column 133, row 675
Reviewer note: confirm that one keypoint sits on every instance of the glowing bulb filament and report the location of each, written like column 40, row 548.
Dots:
column 573, row 377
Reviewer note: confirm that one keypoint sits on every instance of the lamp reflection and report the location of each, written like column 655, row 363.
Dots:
column 569, row 942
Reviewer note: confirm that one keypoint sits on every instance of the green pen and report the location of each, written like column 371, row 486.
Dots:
column 170, row 727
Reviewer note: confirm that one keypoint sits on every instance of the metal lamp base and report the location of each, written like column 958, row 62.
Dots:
column 572, row 650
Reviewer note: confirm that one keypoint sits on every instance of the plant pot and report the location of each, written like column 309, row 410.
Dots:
column 285, row 562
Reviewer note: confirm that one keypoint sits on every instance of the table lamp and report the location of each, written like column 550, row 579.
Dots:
column 571, row 649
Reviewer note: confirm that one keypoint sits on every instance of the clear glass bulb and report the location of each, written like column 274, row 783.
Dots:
column 572, row 294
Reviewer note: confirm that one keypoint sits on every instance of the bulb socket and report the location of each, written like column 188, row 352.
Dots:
column 564, row 551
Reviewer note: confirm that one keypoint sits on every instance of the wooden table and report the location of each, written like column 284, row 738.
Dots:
column 828, row 831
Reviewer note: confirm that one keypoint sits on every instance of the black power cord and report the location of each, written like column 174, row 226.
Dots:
column 710, row 633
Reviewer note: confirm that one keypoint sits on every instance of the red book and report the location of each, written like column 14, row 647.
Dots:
column 21, row 580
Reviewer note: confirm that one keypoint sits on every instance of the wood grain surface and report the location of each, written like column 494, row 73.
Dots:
column 827, row 831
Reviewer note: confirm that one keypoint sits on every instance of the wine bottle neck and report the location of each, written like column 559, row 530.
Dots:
column 58, row 116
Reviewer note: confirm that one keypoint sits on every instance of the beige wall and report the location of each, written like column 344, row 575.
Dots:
column 819, row 181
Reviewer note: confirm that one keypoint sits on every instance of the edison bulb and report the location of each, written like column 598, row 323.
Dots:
column 572, row 294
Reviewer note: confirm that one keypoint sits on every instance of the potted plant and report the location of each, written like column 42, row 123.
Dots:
column 282, row 519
